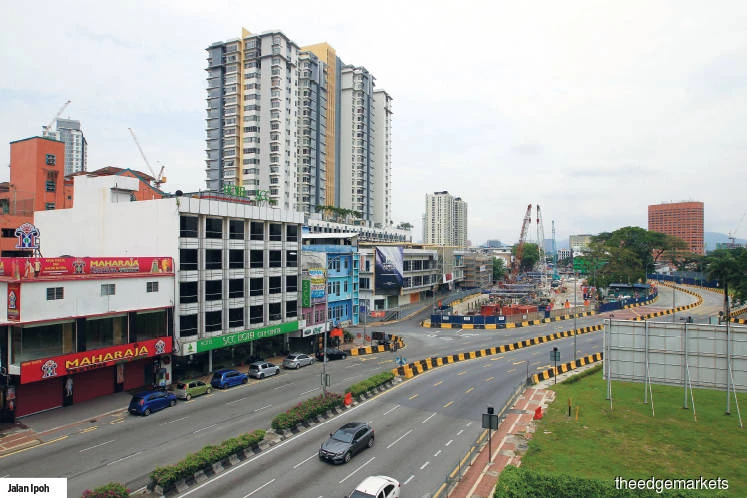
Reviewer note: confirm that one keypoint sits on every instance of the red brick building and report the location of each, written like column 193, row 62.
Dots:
column 679, row 219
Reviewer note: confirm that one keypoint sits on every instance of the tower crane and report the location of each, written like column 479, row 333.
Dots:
column 541, row 248
column 157, row 179
column 516, row 265
column 47, row 130
column 733, row 235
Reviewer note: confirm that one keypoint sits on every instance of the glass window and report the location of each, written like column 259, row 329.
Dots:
column 256, row 286
column 104, row 332
column 236, row 258
column 213, row 259
column 236, row 229
column 187, row 259
column 213, row 321
column 256, row 314
column 108, row 289
column 235, row 317
column 149, row 325
column 151, row 286
column 187, row 292
column 276, row 231
column 275, row 311
column 276, row 285
column 188, row 325
column 188, row 226
column 236, row 287
column 213, row 290
column 256, row 259
column 213, row 228
column 257, row 230
column 55, row 293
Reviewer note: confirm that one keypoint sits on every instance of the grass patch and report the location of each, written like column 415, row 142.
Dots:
column 629, row 441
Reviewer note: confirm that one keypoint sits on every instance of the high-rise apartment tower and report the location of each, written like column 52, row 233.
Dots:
column 445, row 220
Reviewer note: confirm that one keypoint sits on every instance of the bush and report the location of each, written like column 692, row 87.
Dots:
column 111, row 490
column 305, row 410
column 366, row 385
column 166, row 476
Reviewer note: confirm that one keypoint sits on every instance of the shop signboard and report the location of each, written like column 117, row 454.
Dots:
column 63, row 365
column 314, row 329
column 236, row 338
column 32, row 268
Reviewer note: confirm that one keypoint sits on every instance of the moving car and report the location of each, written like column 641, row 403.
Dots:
column 376, row 487
column 297, row 360
column 226, row 378
column 147, row 402
column 188, row 389
column 332, row 354
column 262, row 369
column 346, row 442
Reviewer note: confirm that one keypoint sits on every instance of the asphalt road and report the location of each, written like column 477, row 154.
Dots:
column 439, row 407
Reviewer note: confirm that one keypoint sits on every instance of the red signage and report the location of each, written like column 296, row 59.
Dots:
column 31, row 268
column 14, row 301
column 60, row 366
column 377, row 314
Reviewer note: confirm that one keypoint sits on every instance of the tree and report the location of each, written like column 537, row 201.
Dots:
column 499, row 268
column 404, row 226
column 529, row 256
column 729, row 268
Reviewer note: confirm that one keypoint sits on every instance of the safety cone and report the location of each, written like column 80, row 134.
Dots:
column 538, row 413
column 348, row 399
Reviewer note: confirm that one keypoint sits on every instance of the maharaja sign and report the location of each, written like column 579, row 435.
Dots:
column 60, row 366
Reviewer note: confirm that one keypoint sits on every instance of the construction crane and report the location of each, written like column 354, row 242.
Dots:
column 555, row 275
column 516, row 264
column 157, row 179
column 541, row 248
column 47, row 130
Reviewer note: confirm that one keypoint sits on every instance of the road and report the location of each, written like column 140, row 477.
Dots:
column 126, row 448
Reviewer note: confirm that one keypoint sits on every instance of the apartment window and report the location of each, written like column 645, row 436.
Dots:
column 188, row 292
column 236, row 287
column 107, row 289
column 256, row 314
column 50, row 186
column 256, row 286
column 188, row 226
column 51, row 159
column 213, row 290
column 49, row 206
column 55, row 293
column 151, row 286
column 236, row 258
column 213, row 228
column 334, row 264
column 235, row 317
column 187, row 259
column 213, row 321
column 213, row 259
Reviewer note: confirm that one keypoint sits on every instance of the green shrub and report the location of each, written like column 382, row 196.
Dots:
column 111, row 490
column 306, row 410
column 366, row 385
column 166, row 476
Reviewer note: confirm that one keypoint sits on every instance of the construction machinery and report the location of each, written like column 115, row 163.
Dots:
column 733, row 234
column 555, row 275
column 157, row 179
column 516, row 264
column 47, row 130
column 541, row 248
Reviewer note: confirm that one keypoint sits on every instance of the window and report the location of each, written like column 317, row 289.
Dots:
column 151, row 286
column 276, row 286
column 291, row 309
column 235, row 258
column 276, row 259
column 256, row 259
column 213, row 228
column 213, row 259
column 187, row 292
column 49, row 206
column 257, row 230
column 107, row 289
column 275, row 310
column 187, row 325
column 213, row 290
column 276, row 231
column 50, row 186
column 236, row 288
column 187, row 259
column 291, row 233
column 51, row 159
column 55, row 293
column 256, row 286
column 291, row 283
column 235, row 317
column 213, row 321
column 236, row 229
column 188, row 226
column 256, row 314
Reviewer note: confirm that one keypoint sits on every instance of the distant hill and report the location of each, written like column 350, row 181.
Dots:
column 713, row 238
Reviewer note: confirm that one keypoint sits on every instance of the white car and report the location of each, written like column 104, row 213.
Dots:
column 376, row 487
column 262, row 369
column 297, row 360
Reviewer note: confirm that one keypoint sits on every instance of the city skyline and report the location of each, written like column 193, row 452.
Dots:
column 564, row 106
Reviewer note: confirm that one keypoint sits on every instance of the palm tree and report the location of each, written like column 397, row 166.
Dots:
column 722, row 266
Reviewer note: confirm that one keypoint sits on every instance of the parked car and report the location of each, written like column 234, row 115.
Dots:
column 262, row 369
column 227, row 378
column 346, row 442
column 332, row 354
column 188, row 389
column 297, row 360
column 376, row 487
column 147, row 402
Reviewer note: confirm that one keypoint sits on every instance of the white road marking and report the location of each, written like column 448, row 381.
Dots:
column 391, row 410
column 449, row 442
column 460, row 432
column 399, row 439
column 123, row 458
column 426, row 420
column 409, row 479
column 424, row 465
column 309, row 391
column 237, row 400
column 204, row 428
column 177, row 420
column 258, row 409
column 304, row 461
column 96, row 446
column 282, row 386
column 356, row 470
column 437, row 453
column 262, row 486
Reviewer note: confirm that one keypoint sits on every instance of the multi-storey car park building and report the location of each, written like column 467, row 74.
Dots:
column 297, row 126
column 679, row 219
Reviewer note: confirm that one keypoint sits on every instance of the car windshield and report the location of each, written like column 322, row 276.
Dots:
column 360, row 494
column 181, row 386
column 344, row 436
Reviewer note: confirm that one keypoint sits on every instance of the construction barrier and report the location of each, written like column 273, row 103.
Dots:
column 566, row 367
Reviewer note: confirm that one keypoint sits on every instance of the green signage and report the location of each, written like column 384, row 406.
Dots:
column 223, row 341
column 306, row 294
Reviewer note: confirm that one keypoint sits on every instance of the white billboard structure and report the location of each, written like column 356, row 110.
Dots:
column 691, row 355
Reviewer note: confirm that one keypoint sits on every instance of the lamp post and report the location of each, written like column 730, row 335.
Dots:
column 575, row 312
column 321, row 259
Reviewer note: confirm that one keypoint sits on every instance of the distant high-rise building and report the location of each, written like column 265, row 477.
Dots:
column 679, row 219
column 76, row 148
column 579, row 244
column 445, row 220
column 298, row 127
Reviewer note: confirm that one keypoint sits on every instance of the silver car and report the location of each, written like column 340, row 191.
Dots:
column 262, row 369
column 297, row 360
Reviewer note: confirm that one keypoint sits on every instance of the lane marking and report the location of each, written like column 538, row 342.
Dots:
column 391, row 410
column 177, row 420
column 117, row 421
column 469, row 390
column 519, row 362
column 399, row 439
column 489, row 379
column 262, row 486
column 460, row 432
column 424, row 465
column 237, row 400
column 304, row 461
column 123, row 458
column 409, row 479
column 309, row 391
column 437, row 453
column 511, row 371
column 448, row 404
column 348, row 378
column 462, row 372
column 426, row 420
column 30, row 447
column 282, row 386
column 449, row 442
column 89, row 429
column 413, row 396
column 356, row 470
column 96, row 446
column 204, row 428
column 438, row 383
column 258, row 409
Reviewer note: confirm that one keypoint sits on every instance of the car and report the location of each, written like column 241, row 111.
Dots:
column 227, row 378
column 297, row 360
column 188, row 389
column 346, row 442
column 262, row 369
column 332, row 354
column 376, row 487
column 147, row 402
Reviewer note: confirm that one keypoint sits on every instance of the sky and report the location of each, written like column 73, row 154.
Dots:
column 591, row 110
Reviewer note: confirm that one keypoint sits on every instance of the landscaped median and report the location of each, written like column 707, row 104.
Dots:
column 418, row 367
column 198, row 467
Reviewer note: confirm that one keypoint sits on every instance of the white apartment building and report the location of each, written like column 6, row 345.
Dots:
column 76, row 148
column 445, row 220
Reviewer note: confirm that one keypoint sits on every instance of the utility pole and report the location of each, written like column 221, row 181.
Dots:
column 575, row 312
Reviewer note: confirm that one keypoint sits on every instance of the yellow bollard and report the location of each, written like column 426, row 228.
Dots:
column 576, row 414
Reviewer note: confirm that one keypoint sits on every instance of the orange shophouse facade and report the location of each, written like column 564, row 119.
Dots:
column 76, row 328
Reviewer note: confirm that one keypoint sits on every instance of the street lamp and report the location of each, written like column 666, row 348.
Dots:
column 575, row 313
column 321, row 259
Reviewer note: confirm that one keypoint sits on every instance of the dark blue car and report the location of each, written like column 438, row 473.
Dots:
column 228, row 378
column 151, row 401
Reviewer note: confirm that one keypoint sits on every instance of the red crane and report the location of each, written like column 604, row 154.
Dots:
column 520, row 246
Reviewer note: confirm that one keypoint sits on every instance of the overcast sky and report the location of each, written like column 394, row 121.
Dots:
column 591, row 109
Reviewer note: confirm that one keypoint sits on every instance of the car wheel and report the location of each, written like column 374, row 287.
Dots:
column 172, row 402
column 261, row 376
column 244, row 380
column 188, row 397
column 146, row 412
column 344, row 356
column 346, row 458
column 277, row 371
column 209, row 390
column 298, row 365
column 371, row 442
